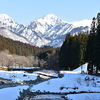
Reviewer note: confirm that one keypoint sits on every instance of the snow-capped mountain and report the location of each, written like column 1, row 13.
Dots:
column 49, row 30
column 9, row 23
column 11, row 35
column 83, row 23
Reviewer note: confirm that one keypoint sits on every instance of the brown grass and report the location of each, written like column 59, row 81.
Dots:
column 2, row 68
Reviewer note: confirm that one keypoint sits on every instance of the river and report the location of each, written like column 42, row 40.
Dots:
column 45, row 97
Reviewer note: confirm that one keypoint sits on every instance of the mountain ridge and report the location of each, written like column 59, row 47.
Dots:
column 48, row 30
column 11, row 35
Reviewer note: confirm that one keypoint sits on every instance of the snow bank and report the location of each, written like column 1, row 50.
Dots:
column 46, row 72
column 81, row 68
column 11, row 93
column 71, row 82
column 78, row 70
column 16, row 76
column 84, row 96
column 17, row 67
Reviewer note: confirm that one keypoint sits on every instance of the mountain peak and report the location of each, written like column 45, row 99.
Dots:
column 49, row 16
column 4, row 16
column 52, row 17
column 48, row 30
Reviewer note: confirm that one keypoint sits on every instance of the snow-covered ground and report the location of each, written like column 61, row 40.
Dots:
column 72, row 82
column 11, row 93
column 78, row 70
column 47, row 72
column 24, row 67
column 84, row 96
column 17, row 76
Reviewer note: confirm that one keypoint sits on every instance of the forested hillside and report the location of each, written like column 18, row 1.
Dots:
column 79, row 49
column 51, row 56
column 16, row 47
column 72, row 52
column 16, row 53
column 93, row 47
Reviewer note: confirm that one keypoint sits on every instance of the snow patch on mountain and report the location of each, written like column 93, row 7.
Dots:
column 83, row 23
column 11, row 35
column 9, row 23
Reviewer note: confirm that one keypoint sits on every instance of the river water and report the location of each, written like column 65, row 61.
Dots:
column 45, row 97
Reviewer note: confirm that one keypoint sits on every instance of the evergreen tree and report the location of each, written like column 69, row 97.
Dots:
column 83, row 46
column 90, row 52
column 72, row 51
column 97, row 54
column 65, row 52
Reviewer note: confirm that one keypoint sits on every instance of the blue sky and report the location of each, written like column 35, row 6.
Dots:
column 25, row 11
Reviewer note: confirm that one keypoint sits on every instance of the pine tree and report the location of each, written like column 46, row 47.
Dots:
column 65, row 52
column 90, row 52
column 97, row 44
column 72, row 51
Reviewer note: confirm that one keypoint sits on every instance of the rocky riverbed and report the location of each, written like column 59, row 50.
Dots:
column 41, row 86
column 27, row 94
column 5, row 83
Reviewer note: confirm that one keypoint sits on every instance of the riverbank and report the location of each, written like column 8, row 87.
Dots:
column 71, row 84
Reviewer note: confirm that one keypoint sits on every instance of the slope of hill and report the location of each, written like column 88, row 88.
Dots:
column 16, row 47
column 11, row 35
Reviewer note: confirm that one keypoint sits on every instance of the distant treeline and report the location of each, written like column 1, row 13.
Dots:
column 46, row 57
column 51, row 56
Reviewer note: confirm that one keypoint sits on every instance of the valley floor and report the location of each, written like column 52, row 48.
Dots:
column 73, row 86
